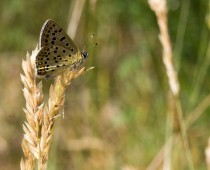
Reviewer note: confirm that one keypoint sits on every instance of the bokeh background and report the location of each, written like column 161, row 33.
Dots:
column 116, row 114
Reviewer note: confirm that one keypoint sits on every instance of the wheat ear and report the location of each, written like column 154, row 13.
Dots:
column 33, row 111
column 38, row 129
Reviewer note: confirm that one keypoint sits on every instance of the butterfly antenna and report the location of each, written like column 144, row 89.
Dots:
column 88, row 41
column 92, row 45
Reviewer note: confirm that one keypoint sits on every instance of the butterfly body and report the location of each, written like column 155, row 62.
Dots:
column 57, row 52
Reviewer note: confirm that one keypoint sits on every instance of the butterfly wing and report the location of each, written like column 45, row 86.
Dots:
column 52, row 59
column 52, row 34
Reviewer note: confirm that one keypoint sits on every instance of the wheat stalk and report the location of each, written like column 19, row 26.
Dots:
column 38, row 129
column 41, row 117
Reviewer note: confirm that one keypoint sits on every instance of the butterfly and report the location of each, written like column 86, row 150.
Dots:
column 57, row 52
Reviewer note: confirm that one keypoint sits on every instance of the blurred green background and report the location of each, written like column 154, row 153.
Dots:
column 115, row 115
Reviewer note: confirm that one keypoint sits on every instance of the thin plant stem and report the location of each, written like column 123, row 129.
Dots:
column 178, row 47
column 203, row 61
column 75, row 18
column 201, row 75
column 160, row 9
column 193, row 116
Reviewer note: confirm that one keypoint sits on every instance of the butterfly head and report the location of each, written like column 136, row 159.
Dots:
column 84, row 55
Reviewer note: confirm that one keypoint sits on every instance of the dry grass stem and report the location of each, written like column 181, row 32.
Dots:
column 75, row 17
column 160, row 9
column 193, row 116
column 157, row 162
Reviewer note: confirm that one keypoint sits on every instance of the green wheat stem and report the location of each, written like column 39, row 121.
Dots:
column 201, row 75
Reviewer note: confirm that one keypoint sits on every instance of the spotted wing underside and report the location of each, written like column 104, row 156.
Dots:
column 52, row 34
column 53, row 59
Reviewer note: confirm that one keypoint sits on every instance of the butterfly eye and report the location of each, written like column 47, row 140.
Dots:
column 84, row 55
